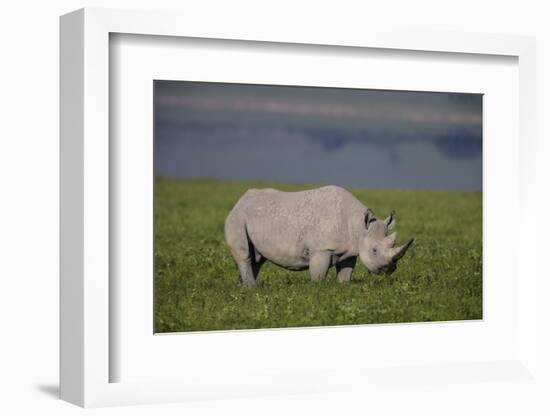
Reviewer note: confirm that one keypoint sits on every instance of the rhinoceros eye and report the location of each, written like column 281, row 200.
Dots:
column 374, row 250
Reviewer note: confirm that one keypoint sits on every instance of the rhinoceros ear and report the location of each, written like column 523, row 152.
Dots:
column 369, row 217
column 390, row 221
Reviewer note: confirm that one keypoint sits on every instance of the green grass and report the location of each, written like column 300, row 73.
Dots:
column 196, row 288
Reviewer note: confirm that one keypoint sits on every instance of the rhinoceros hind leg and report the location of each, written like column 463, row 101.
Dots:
column 241, row 250
column 319, row 263
column 246, row 273
column 257, row 264
column 344, row 269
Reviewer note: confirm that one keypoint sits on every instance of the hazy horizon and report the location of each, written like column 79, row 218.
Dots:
column 347, row 137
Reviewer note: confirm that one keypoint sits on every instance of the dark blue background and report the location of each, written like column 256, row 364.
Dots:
column 349, row 137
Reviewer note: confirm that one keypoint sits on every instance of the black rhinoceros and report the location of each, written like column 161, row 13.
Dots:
column 314, row 229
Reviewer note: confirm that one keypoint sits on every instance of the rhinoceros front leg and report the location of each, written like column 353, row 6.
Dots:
column 344, row 269
column 319, row 263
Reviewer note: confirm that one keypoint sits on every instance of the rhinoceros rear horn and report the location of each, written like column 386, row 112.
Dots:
column 398, row 252
column 390, row 240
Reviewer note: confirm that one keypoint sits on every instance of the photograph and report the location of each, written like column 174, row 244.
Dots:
column 285, row 206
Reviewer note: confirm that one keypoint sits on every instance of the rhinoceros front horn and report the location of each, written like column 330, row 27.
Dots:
column 399, row 252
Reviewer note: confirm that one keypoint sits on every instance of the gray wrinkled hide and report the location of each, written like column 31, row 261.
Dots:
column 313, row 229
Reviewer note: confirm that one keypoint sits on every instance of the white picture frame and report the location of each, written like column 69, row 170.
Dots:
column 85, row 355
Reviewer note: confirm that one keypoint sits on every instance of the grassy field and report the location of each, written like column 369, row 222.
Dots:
column 196, row 288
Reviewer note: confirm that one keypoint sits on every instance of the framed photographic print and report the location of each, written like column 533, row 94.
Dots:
column 230, row 206
column 265, row 185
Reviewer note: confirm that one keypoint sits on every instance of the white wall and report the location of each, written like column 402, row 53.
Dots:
column 29, row 204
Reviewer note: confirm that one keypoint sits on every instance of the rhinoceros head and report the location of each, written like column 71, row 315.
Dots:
column 377, row 249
